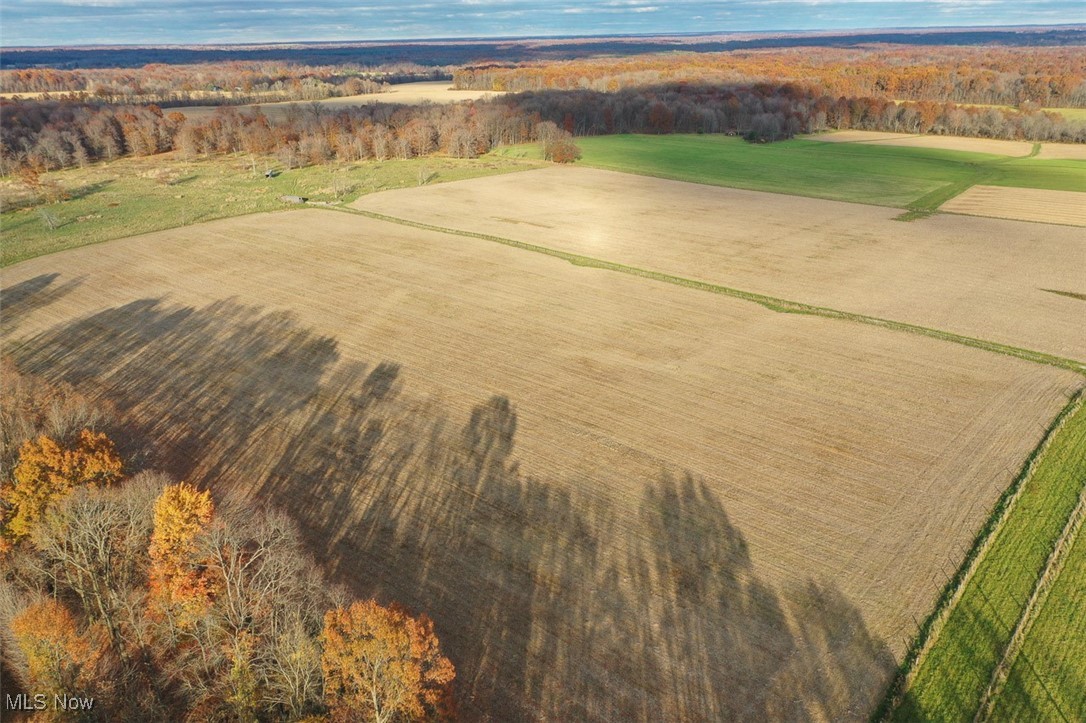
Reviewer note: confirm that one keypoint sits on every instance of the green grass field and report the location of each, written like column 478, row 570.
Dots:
column 913, row 178
column 138, row 195
column 1048, row 678
column 1071, row 114
column 953, row 676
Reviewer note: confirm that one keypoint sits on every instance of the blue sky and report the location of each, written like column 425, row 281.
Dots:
column 62, row 22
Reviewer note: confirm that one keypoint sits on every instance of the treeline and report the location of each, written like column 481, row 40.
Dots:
column 765, row 112
column 214, row 83
column 1011, row 76
column 52, row 135
column 161, row 603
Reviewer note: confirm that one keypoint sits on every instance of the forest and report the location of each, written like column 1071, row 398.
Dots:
column 1039, row 77
column 159, row 602
column 231, row 83
column 764, row 95
column 46, row 135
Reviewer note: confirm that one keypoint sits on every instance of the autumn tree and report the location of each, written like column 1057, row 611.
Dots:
column 179, row 589
column 381, row 664
column 48, row 470
column 557, row 144
column 59, row 659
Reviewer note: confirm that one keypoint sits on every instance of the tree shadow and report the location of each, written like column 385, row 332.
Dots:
column 555, row 601
column 27, row 296
column 196, row 385
column 89, row 189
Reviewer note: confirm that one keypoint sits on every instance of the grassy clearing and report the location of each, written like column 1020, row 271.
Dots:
column 139, row 195
column 1071, row 114
column 919, row 179
column 957, row 668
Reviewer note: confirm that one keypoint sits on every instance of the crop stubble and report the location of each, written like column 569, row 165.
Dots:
column 947, row 143
column 858, row 459
column 1021, row 204
column 437, row 92
column 985, row 278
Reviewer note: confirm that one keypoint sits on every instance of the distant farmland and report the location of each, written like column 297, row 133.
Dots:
column 403, row 93
column 619, row 498
column 910, row 176
column 942, row 272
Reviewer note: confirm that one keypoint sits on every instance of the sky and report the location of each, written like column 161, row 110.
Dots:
column 72, row 22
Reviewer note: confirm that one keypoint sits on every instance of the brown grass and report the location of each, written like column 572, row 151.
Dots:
column 946, row 143
column 977, row 277
column 1022, row 204
column 701, row 510
column 438, row 92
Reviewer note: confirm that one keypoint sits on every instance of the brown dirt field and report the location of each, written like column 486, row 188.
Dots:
column 1021, row 204
column 983, row 278
column 694, row 508
column 1063, row 151
column 407, row 93
column 946, row 143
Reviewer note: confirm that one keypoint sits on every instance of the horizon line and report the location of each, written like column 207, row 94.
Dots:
column 562, row 36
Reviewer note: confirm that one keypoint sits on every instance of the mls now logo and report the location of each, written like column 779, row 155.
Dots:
column 40, row 701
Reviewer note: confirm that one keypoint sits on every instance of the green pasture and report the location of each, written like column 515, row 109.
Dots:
column 919, row 179
column 1048, row 678
column 138, row 195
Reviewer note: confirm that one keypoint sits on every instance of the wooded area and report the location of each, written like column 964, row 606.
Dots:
column 229, row 83
column 48, row 135
column 764, row 95
column 990, row 75
column 159, row 602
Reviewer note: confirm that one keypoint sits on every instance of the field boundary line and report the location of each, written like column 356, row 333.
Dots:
column 770, row 302
column 928, row 633
column 1053, row 567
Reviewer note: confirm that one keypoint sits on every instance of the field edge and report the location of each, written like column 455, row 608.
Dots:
column 927, row 635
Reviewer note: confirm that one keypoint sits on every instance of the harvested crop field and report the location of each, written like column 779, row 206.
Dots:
column 946, row 143
column 680, row 506
column 1063, row 151
column 1021, row 204
column 984, row 278
column 404, row 93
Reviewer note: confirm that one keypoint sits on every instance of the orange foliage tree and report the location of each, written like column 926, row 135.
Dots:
column 179, row 589
column 59, row 659
column 381, row 664
column 48, row 471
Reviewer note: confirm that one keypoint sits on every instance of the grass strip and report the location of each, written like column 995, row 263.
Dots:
column 769, row 302
column 949, row 666
column 1047, row 680
column 1053, row 569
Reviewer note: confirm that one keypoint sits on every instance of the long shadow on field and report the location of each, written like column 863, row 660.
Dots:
column 199, row 384
column 554, row 601
column 23, row 298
